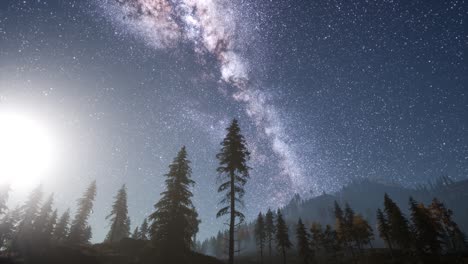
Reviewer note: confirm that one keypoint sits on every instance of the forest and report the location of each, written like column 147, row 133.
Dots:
column 391, row 224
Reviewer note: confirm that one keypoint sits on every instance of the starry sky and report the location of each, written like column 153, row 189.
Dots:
column 326, row 92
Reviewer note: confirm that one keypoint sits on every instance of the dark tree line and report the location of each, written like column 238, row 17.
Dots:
column 429, row 233
column 34, row 226
column 431, row 230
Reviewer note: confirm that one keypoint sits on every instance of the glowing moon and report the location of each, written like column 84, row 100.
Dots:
column 26, row 150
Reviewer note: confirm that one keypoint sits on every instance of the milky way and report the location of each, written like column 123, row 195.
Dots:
column 210, row 25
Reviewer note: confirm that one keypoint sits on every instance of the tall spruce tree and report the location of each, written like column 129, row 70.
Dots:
column 144, row 231
column 348, row 227
column 282, row 235
column 79, row 233
column 399, row 231
column 120, row 226
column 87, row 235
column 331, row 243
column 260, row 234
column 343, row 225
column 316, row 237
column 26, row 239
column 270, row 230
column 303, row 242
column 5, row 226
column 136, row 233
column 50, row 227
column 175, row 222
column 453, row 238
column 233, row 175
column 29, row 213
column 42, row 220
column 384, row 228
column 427, row 229
column 61, row 228
column 4, row 191
column 8, row 226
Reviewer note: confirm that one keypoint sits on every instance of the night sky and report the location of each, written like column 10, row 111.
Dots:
column 326, row 92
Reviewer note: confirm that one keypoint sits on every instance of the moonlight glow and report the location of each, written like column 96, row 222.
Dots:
column 26, row 150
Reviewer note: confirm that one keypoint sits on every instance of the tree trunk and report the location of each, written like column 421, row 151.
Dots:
column 284, row 256
column 261, row 254
column 232, row 222
column 269, row 250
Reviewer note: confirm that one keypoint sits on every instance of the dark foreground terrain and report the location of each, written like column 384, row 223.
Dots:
column 131, row 251
column 128, row 251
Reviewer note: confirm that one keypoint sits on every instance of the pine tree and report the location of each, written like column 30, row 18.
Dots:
column 339, row 220
column 8, row 226
column 384, row 228
column 330, row 240
column 399, row 231
column 427, row 229
column 5, row 227
column 50, row 227
column 136, row 233
column 144, row 232
column 30, row 211
column 4, row 191
column 87, row 235
column 282, row 235
column 233, row 173
column 270, row 230
column 61, row 228
column 454, row 238
column 348, row 227
column 42, row 220
column 342, row 225
column 118, row 216
column 79, row 233
column 303, row 242
column 260, row 234
column 316, row 238
column 174, row 222
column 25, row 239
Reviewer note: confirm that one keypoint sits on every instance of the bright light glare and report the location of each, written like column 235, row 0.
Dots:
column 26, row 150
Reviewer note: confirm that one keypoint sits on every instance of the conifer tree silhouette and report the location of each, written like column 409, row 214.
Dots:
column 270, row 230
column 260, row 234
column 454, row 239
column 233, row 174
column 399, row 231
column 427, row 230
column 384, row 228
column 303, row 242
column 136, row 233
column 175, row 222
column 282, row 235
column 41, row 222
column 50, row 226
column 120, row 226
column 62, row 227
column 29, row 212
column 4, row 192
column 80, row 232
column 144, row 231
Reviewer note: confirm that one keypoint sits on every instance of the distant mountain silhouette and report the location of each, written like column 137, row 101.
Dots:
column 366, row 196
